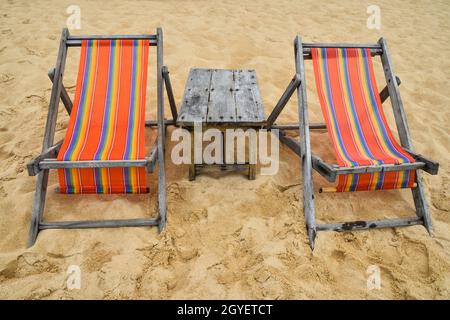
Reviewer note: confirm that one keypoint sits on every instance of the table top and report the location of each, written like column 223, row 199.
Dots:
column 221, row 97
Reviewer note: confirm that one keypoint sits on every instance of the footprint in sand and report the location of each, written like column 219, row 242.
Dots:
column 6, row 77
column 416, row 256
column 32, row 52
column 35, row 99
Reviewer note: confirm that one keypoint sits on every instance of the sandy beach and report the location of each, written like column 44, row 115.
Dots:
column 226, row 237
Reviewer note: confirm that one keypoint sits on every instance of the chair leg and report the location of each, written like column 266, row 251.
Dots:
column 38, row 206
column 162, row 196
column 192, row 173
column 421, row 204
column 310, row 216
column 305, row 146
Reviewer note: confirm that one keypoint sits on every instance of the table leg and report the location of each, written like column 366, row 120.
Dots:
column 192, row 164
column 251, row 166
column 223, row 166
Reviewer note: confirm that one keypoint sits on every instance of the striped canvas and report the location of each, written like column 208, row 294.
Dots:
column 108, row 117
column 355, row 120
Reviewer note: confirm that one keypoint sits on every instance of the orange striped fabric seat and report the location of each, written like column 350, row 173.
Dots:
column 355, row 119
column 108, row 117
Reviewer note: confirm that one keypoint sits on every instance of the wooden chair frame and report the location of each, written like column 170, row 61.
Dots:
column 41, row 165
column 310, row 161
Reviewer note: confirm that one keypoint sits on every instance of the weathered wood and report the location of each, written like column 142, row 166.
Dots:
column 308, row 191
column 432, row 167
column 403, row 132
column 307, row 46
column 162, row 204
column 79, row 164
column 173, row 106
column 222, row 97
column 295, row 82
column 324, row 169
column 75, row 41
column 252, row 155
column 56, row 92
column 152, row 159
column 372, row 224
column 114, row 36
column 384, row 94
column 295, row 126
column 251, row 172
column 194, row 107
column 86, row 224
column 232, row 101
column 154, row 123
column 192, row 166
column 38, row 206
column 67, row 102
column 52, row 152
column 379, row 168
column 221, row 104
column 375, row 49
column 290, row 142
column 247, row 97
column 49, row 134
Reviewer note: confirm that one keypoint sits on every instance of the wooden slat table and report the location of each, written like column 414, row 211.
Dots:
column 222, row 99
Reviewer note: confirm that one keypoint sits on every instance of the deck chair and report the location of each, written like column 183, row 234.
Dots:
column 103, row 149
column 368, row 156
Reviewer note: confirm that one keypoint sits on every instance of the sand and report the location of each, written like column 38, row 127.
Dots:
column 226, row 237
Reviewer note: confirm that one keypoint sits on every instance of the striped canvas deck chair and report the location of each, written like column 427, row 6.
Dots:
column 104, row 147
column 368, row 156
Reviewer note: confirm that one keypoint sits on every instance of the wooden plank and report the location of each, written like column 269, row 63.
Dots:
column 221, row 104
column 295, row 126
column 380, row 168
column 324, row 169
column 194, row 107
column 56, row 92
column 291, row 143
column 403, row 132
column 114, row 36
column 432, row 167
column 49, row 135
column 162, row 196
column 306, row 161
column 86, row 224
column 384, row 94
column 283, row 100
column 306, row 45
column 153, row 123
column 373, row 224
column 75, row 41
column 65, row 98
column 249, row 107
column 375, row 49
column 56, row 164
column 38, row 206
column 173, row 106
column 152, row 159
